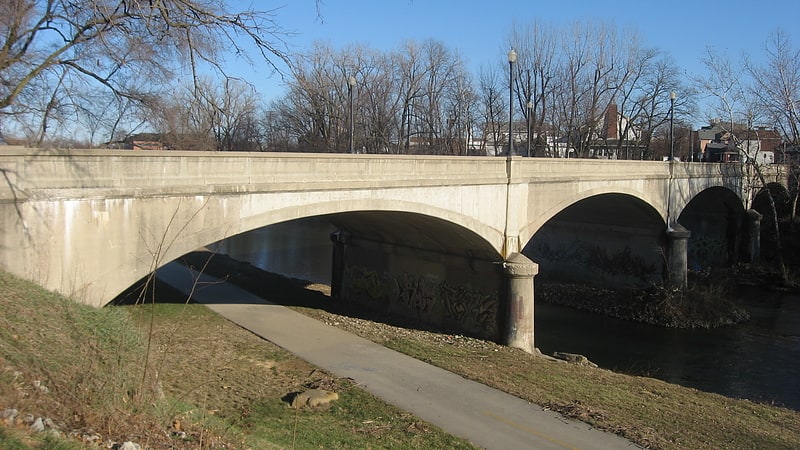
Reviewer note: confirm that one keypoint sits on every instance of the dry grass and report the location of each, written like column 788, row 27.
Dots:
column 204, row 383
column 652, row 413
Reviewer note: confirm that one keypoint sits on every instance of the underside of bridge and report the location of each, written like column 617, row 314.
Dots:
column 419, row 267
column 613, row 240
column 716, row 219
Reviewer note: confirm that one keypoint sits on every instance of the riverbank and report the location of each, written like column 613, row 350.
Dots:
column 700, row 306
column 653, row 413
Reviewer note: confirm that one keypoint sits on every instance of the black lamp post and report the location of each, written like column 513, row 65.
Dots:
column 351, row 83
column 530, row 108
column 512, row 58
column 672, row 126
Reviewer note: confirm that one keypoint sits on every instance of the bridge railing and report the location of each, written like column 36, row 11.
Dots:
column 28, row 171
column 61, row 173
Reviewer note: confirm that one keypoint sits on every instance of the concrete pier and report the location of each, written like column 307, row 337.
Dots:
column 677, row 261
column 518, row 331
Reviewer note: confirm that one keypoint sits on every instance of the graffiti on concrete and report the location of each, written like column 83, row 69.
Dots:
column 425, row 298
column 595, row 258
column 365, row 283
column 623, row 262
column 473, row 309
column 416, row 294
column 707, row 250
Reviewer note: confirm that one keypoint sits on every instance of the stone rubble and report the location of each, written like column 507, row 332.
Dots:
column 12, row 417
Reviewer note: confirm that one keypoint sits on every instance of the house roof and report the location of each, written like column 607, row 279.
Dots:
column 709, row 132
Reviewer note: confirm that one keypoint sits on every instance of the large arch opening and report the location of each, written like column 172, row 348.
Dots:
column 591, row 255
column 397, row 267
column 613, row 240
column 715, row 218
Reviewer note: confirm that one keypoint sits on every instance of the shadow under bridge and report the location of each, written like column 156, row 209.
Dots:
column 420, row 268
column 610, row 240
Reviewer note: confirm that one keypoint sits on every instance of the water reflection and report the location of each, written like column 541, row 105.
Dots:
column 298, row 249
column 757, row 360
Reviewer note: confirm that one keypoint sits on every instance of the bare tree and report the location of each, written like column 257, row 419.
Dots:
column 460, row 107
column 536, row 48
column 727, row 82
column 644, row 100
column 230, row 112
column 491, row 108
column 316, row 107
column 114, row 45
column 776, row 86
column 415, row 92
column 409, row 75
column 722, row 82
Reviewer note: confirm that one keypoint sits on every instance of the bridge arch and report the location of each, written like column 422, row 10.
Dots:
column 782, row 199
column 714, row 216
column 653, row 204
column 200, row 221
column 780, row 195
column 609, row 238
column 478, row 233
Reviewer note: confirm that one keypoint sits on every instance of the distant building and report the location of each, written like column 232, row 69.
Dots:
column 720, row 142
column 618, row 134
column 145, row 141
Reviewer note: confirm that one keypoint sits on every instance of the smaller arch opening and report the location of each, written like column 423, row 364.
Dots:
column 715, row 219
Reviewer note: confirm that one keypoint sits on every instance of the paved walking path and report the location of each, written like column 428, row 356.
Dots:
column 487, row 417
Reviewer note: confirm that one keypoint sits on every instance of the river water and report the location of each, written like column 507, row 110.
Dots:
column 758, row 360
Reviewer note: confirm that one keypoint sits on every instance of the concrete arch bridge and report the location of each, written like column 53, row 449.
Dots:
column 452, row 240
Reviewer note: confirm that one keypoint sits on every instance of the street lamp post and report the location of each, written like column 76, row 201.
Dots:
column 512, row 58
column 351, row 83
column 672, row 126
column 530, row 108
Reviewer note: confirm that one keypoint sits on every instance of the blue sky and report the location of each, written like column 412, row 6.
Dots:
column 479, row 29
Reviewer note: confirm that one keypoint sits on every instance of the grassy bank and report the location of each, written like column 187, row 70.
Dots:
column 653, row 413
column 171, row 376
column 178, row 376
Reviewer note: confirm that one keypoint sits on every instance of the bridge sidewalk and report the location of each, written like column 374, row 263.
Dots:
column 487, row 417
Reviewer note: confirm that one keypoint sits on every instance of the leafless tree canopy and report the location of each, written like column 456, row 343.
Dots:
column 111, row 68
column 56, row 53
column 420, row 97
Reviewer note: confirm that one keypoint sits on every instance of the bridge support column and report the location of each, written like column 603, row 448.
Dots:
column 677, row 244
column 518, row 330
column 339, row 239
column 753, row 227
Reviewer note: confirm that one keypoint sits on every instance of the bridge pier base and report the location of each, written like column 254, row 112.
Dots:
column 753, row 227
column 518, row 330
column 677, row 259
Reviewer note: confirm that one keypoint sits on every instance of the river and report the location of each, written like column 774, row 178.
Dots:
column 758, row 360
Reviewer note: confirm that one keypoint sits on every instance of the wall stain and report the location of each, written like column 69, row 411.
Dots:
column 596, row 258
column 425, row 298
